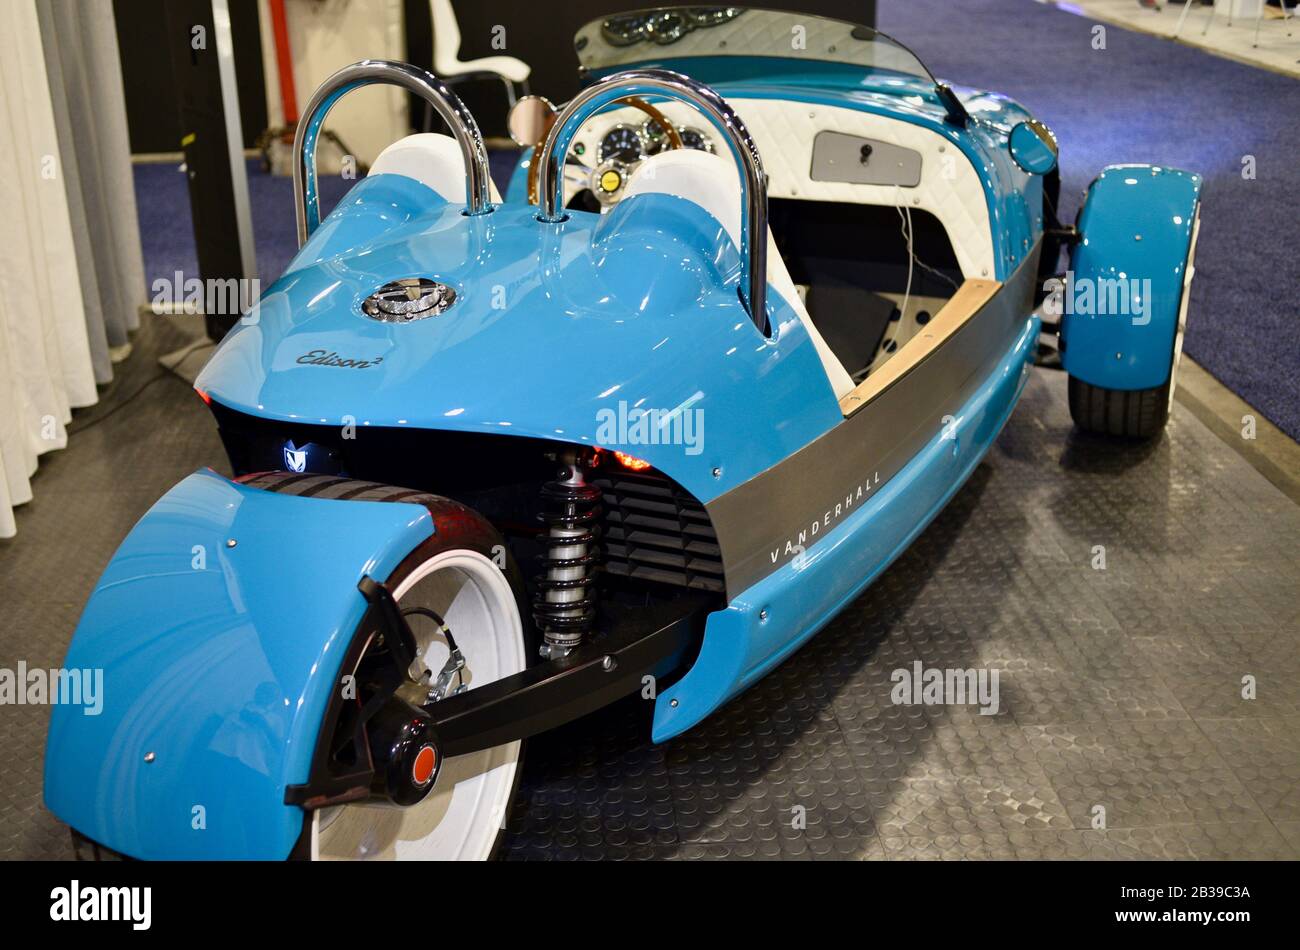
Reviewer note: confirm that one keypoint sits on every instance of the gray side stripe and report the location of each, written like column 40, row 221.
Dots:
column 797, row 502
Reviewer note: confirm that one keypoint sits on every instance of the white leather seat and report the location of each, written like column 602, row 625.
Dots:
column 431, row 158
column 711, row 182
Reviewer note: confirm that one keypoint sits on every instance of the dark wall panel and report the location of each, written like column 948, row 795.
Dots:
column 541, row 34
column 152, row 107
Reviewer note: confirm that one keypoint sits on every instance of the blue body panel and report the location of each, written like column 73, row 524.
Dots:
column 1136, row 224
column 222, row 671
column 378, row 208
column 643, row 299
column 803, row 596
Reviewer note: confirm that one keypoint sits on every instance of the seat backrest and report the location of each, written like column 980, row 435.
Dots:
column 431, row 158
column 711, row 182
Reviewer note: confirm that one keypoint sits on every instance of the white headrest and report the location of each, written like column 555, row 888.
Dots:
column 712, row 182
column 431, row 158
column 706, row 179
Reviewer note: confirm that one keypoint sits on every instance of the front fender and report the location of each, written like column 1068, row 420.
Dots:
column 217, row 663
column 1123, row 297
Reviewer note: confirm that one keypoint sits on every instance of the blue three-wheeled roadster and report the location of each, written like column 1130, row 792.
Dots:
column 756, row 302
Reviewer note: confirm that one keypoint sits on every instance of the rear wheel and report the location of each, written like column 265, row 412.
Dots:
column 1137, row 413
column 1129, row 413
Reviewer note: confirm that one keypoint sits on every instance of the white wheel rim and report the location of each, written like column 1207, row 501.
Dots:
column 465, row 811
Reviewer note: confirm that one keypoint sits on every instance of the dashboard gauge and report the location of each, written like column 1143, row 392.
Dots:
column 608, row 180
column 621, row 143
column 654, row 135
column 694, row 138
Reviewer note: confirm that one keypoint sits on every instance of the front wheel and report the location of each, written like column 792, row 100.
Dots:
column 462, row 818
column 464, row 576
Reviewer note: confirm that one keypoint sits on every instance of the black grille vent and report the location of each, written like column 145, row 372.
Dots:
column 654, row 530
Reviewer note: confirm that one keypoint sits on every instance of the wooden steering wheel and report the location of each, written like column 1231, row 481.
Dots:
column 674, row 137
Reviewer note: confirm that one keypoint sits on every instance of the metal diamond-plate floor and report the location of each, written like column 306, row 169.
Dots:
column 1120, row 688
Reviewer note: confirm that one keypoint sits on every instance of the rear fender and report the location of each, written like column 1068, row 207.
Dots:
column 220, row 626
column 1123, row 299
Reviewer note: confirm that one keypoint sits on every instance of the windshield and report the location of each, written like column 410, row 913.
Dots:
column 675, row 32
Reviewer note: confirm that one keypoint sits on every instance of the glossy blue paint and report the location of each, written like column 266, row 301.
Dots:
column 800, row 598
column 222, row 671
column 554, row 326
column 378, row 207
column 1136, row 226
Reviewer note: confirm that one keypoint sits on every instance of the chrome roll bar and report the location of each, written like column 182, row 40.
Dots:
column 411, row 78
column 672, row 85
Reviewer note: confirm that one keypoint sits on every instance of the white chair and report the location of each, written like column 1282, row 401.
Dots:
column 448, row 66
column 1259, row 15
column 1286, row 15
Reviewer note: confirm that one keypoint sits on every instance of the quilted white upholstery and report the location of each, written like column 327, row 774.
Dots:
column 431, row 158
column 712, row 183
column 950, row 187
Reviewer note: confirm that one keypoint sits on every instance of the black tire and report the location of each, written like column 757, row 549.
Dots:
column 1130, row 414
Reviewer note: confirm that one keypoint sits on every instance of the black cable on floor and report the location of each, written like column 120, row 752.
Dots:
column 71, row 429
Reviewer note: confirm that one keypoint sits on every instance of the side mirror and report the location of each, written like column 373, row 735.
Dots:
column 530, row 119
column 1033, row 146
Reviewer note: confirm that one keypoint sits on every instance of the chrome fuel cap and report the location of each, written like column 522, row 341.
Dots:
column 413, row 298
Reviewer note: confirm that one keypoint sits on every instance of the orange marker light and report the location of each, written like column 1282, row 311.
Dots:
column 631, row 462
column 204, row 396
column 422, row 770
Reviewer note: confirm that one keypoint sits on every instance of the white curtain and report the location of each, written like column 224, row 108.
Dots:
column 85, row 73
column 45, row 361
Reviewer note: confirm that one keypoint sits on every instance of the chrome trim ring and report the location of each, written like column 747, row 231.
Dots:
column 622, row 127
column 607, row 173
column 654, row 144
column 684, row 130
column 412, row 298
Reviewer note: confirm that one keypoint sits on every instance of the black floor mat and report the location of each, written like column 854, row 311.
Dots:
column 851, row 319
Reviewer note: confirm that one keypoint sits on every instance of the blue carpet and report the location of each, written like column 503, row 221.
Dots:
column 167, row 236
column 1142, row 99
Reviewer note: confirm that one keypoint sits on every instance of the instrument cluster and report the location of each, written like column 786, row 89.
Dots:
column 629, row 143
column 626, row 144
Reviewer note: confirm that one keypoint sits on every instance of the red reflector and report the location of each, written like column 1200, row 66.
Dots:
column 422, row 770
column 631, row 462
column 204, row 396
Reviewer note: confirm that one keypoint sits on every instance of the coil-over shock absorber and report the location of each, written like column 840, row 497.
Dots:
column 565, row 605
